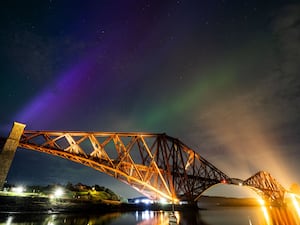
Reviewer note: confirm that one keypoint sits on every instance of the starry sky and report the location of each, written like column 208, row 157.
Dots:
column 223, row 76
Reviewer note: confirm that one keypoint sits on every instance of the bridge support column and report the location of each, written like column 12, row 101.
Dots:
column 8, row 151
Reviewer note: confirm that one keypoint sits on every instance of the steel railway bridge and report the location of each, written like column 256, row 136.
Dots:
column 156, row 165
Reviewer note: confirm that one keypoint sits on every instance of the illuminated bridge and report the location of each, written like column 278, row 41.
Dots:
column 156, row 165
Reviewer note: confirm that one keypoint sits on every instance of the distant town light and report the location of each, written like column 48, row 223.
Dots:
column 58, row 193
column 163, row 201
column 19, row 189
column 145, row 201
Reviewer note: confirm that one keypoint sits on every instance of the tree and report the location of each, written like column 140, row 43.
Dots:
column 70, row 186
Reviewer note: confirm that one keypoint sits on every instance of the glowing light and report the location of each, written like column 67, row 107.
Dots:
column 19, row 189
column 261, row 201
column 145, row 201
column 224, row 181
column 163, row 201
column 296, row 204
column 175, row 200
column 58, row 192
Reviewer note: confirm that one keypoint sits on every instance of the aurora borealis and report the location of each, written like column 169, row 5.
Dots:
column 220, row 75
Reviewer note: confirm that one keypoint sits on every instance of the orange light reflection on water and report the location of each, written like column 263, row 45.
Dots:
column 155, row 218
column 289, row 214
column 296, row 204
column 158, row 218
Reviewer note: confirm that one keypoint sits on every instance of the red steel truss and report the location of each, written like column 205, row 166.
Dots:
column 269, row 188
column 156, row 165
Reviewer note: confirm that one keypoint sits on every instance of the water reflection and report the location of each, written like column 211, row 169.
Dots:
column 264, row 215
column 283, row 216
column 152, row 218
column 57, row 219
column 289, row 214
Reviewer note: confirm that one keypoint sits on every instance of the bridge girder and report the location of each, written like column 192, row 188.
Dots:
column 156, row 165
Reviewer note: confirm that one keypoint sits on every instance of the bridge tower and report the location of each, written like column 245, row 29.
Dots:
column 8, row 150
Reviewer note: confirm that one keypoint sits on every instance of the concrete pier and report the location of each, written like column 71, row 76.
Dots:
column 8, row 151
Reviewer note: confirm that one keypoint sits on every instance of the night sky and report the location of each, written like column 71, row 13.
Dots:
column 222, row 76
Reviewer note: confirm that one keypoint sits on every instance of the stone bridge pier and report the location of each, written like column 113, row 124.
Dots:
column 8, row 149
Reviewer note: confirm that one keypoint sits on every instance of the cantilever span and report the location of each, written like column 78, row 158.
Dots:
column 156, row 165
column 268, row 187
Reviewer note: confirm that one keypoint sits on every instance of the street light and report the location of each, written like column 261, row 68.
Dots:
column 58, row 193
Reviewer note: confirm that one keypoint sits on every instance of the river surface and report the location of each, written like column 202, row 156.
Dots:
column 213, row 216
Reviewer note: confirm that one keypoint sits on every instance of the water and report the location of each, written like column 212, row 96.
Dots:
column 213, row 216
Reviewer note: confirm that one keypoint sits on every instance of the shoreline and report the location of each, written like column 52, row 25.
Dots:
column 30, row 204
column 19, row 204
